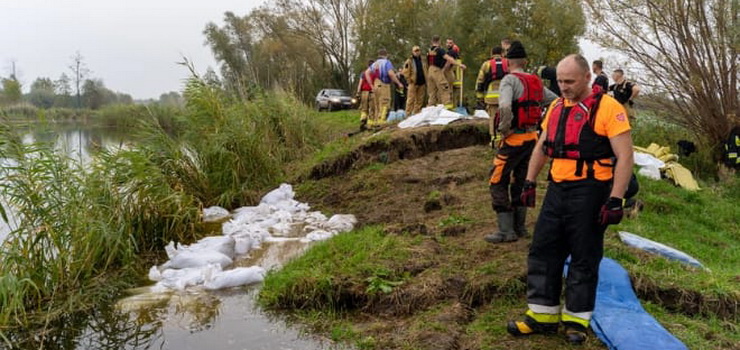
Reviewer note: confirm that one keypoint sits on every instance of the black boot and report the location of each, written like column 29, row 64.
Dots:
column 575, row 333
column 529, row 326
column 520, row 222
column 505, row 229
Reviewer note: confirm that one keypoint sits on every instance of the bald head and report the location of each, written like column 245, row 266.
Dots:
column 574, row 77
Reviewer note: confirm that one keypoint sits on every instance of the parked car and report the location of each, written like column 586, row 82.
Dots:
column 333, row 99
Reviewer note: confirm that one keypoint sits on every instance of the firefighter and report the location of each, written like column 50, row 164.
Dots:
column 487, row 85
column 382, row 74
column 520, row 109
column 415, row 71
column 454, row 73
column 438, row 87
column 365, row 95
column 587, row 135
column 601, row 80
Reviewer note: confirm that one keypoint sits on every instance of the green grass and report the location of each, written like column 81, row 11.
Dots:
column 323, row 277
column 703, row 224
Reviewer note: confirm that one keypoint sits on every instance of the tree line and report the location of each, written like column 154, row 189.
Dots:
column 306, row 45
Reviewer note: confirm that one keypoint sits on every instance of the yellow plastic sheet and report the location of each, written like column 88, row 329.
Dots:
column 672, row 169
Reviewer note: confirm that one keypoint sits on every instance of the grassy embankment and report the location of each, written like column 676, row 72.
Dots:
column 83, row 232
column 423, row 269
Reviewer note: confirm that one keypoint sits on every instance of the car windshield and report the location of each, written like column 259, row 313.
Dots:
column 337, row 93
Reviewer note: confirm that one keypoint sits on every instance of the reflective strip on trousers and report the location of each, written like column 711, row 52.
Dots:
column 543, row 318
column 492, row 94
column 581, row 318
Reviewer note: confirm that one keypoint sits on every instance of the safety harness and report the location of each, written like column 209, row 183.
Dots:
column 571, row 135
column 434, row 59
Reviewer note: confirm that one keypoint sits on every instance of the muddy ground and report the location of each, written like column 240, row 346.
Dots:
column 462, row 289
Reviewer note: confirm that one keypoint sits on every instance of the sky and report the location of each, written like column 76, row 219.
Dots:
column 133, row 45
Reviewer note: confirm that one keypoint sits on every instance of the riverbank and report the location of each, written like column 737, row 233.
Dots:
column 420, row 263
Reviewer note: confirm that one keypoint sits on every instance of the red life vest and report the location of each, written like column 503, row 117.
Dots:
column 499, row 68
column 571, row 135
column 527, row 110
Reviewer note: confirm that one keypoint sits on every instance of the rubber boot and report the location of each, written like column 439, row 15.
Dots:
column 575, row 333
column 529, row 326
column 505, row 229
column 520, row 222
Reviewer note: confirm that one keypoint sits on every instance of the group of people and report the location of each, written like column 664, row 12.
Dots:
column 584, row 134
column 436, row 77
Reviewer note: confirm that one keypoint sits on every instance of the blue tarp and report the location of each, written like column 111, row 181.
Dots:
column 654, row 247
column 620, row 321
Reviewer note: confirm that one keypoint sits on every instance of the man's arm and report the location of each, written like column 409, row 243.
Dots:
column 622, row 147
column 537, row 160
column 451, row 60
column 549, row 96
column 506, row 95
column 635, row 91
column 394, row 77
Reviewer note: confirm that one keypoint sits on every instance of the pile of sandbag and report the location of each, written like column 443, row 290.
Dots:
column 656, row 160
column 278, row 217
column 436, row 115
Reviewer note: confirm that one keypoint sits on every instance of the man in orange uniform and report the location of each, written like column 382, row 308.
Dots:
column 583, row 132
column 521, row 97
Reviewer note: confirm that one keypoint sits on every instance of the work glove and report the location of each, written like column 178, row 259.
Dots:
column 495, row 142
column 611, row 212
column 529, row 193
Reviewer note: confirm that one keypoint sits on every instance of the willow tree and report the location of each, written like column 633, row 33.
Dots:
column 687, row 51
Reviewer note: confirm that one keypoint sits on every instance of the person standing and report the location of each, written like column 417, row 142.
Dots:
column 587, row 135
column 452, row 72
column 365, row 95
column 488, row 82
column 520, row 109
column 601, row 80
column 438, row 87
column 624, row 91
column 415, row 70
column 382, row 74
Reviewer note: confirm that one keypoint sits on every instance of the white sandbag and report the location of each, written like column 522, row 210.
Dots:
column 644, row 159
column 215, row 213
column 318, row 235
column 190, row 259
column 179, row 279
column 342, row 223
column 233, row 278
column 221, row 244
column 650, row 172
column 282, row 193
column 481, row 113
column 154, row 274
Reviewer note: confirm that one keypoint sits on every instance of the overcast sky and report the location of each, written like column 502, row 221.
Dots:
column 133, row 45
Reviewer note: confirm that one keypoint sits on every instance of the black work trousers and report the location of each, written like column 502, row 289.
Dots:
column 510, row 162
column 567, row 225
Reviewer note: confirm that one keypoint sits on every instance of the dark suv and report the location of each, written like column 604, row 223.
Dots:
column 333, row 99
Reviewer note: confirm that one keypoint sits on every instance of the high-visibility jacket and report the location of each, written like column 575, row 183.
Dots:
column 489, row 79
column 409, row 70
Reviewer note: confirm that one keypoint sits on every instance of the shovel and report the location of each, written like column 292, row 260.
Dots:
column 460, row 108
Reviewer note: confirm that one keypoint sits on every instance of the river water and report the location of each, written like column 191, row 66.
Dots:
column 227, row 319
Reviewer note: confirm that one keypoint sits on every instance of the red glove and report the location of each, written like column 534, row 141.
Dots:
column 529, row 193
column 611, row 212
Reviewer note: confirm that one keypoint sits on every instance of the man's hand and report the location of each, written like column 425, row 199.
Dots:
column 496, row 142
column 611, row 212
column 529, row 193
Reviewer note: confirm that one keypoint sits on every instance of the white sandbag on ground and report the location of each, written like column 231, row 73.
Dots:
column 240, row 276
column 278, row 218
column 212, row 214
column 435, row 115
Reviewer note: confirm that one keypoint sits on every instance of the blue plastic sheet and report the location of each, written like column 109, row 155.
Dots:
column 620, row 321
column 654, row 247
